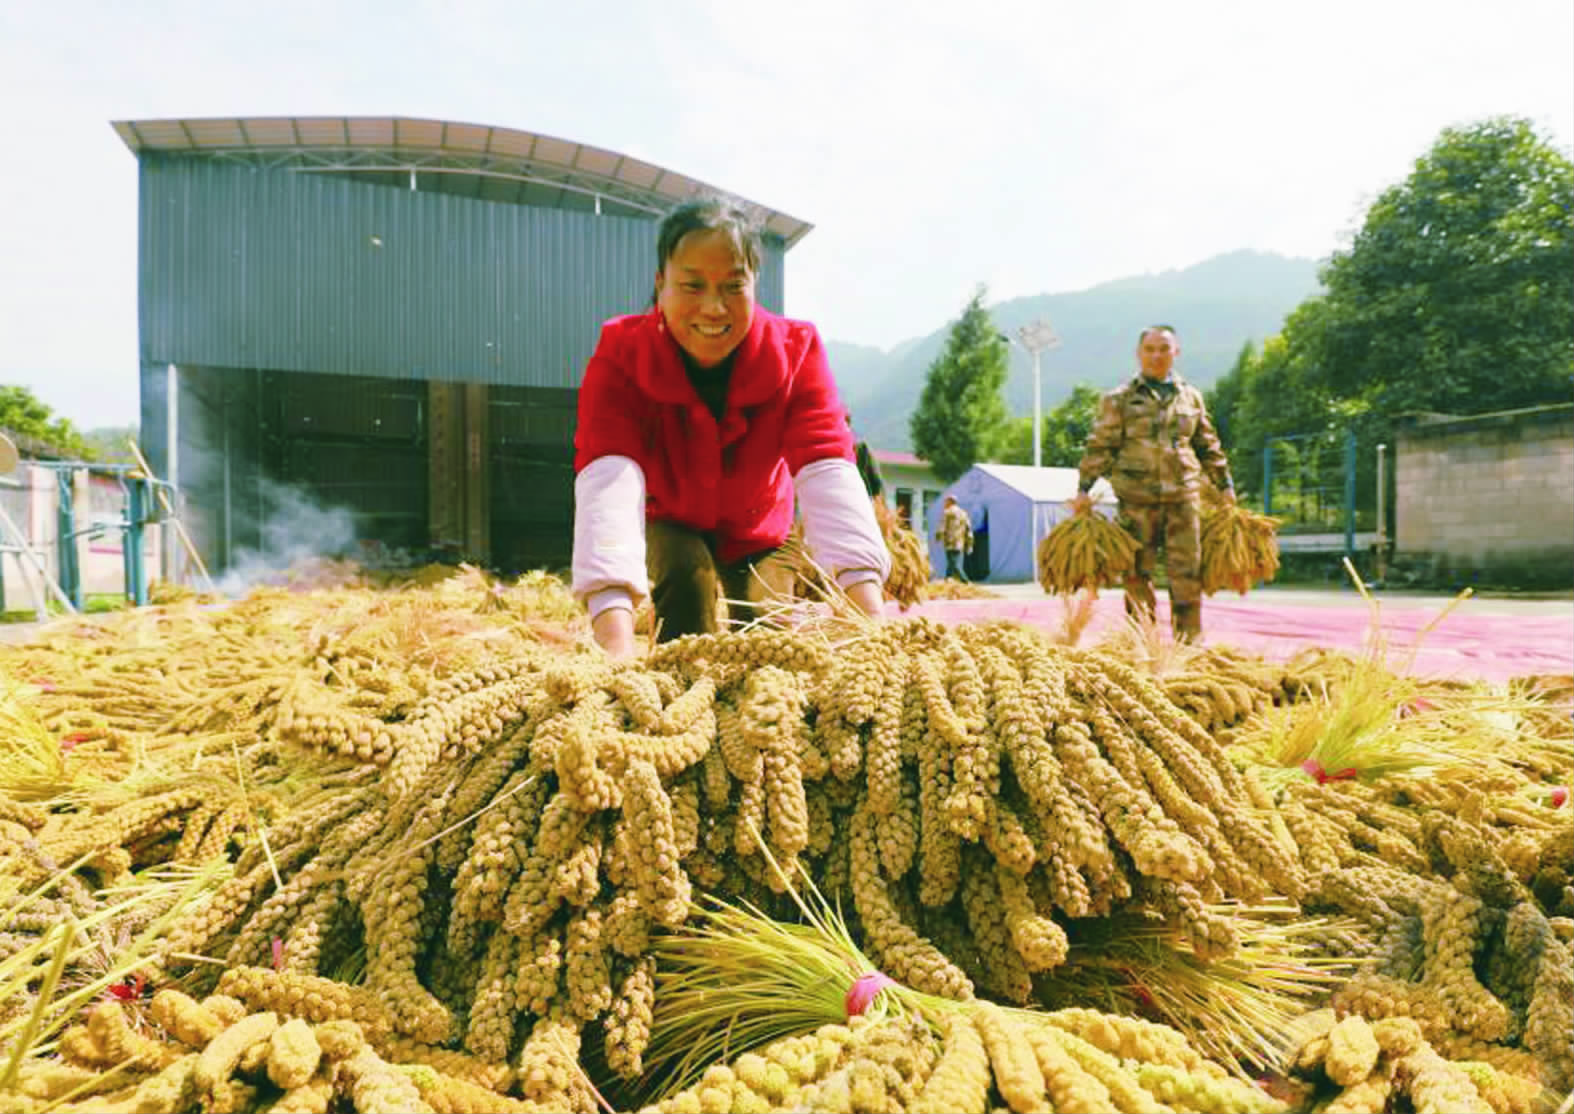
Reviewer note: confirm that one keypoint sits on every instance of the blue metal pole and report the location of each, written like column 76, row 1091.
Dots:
column 66, row 539
column 136, row 574
column 1349, row 493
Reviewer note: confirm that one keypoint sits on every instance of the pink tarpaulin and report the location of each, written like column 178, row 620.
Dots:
column 1466, row 644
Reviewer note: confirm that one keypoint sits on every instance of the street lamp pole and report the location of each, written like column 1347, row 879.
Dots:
column 1037, row 337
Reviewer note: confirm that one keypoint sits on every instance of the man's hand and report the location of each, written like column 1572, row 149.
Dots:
column 614, row 632
column 1082, row 502
column 866, row 595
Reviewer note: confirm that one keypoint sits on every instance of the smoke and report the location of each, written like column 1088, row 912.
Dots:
column 293, row 531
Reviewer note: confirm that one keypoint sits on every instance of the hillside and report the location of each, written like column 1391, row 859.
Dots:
column 1217, row 305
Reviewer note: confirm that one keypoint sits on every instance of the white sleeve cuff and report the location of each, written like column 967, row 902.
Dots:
column 839, row 524
column 609, row 599
column 609, row 532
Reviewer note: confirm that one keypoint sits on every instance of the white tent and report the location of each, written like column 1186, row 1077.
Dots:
column 1012, row 506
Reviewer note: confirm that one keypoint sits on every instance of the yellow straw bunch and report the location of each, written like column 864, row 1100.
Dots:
column 1087, row 550
column 803, row 1014
column 1240, row 548
column 909, row 558
column 1237, row 1009
column 949, row 589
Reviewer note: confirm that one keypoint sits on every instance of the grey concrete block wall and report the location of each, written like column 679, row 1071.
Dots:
column 1490, row 496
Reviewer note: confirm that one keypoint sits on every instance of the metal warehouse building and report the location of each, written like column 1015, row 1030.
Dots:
column 387, row 315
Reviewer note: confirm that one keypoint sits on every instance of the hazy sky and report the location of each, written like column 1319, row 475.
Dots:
column 1034, row 145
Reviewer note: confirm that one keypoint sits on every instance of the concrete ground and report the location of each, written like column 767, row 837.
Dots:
column 1494, row 638
column 1541, row 605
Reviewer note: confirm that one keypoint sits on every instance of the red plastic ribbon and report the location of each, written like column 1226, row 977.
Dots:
column 129, row 989
column 70, row 741
column 865, row 989
column 1314, row 770
column 1560, row 796
column 278, row 954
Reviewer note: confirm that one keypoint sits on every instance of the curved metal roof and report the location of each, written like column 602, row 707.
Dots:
column 474, row 160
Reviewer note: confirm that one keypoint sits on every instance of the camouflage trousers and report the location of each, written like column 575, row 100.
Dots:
column 1177, row 529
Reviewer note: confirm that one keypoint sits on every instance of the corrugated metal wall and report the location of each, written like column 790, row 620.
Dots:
column 290, row 271
column 265, row 458
column 306, row 314
column 532, row 476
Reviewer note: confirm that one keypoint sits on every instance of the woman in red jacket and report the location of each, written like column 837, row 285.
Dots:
column 698, row 423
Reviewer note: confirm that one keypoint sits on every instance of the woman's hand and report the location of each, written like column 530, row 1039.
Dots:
column 614, row 632
column 867, row 596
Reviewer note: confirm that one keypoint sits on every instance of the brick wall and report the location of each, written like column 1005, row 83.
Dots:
column 1487, row 498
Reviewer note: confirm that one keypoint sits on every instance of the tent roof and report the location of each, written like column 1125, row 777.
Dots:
column 1045, row 485
column 893, row 456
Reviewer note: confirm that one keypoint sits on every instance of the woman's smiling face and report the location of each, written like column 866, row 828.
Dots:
column 706, row 295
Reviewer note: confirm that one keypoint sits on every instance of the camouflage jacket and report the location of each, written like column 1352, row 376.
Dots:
column 1154, row 441
column 956, row 529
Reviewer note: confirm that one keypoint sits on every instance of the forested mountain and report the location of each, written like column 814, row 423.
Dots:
column 1217, row 306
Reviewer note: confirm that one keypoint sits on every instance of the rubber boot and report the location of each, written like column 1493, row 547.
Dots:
column 1186, row 621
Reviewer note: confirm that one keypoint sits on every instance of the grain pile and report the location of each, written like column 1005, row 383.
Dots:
column 984, row 1059
column 945, row 784
column 950, row 589
column 444, row 836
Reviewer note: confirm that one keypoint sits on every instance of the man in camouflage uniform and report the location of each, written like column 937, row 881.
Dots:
column 956, row 538
column 1154, row 439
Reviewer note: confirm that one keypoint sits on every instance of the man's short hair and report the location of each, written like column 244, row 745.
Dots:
column 1142, row 336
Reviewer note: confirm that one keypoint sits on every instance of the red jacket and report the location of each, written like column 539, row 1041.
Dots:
column 733, row 478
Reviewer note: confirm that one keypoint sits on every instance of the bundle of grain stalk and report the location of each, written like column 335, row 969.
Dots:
column 313, row 1053
column 809, row 1022
column 1240, row 548
column 536, row 821
column 1432, row 815
column 1350, row 1064
column 909, row 558
column 1087, row 550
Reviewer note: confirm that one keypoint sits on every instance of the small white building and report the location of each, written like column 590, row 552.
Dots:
column 911, row 488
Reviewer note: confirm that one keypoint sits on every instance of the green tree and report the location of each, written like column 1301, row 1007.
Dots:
column 1225, row 395
column 1455, row 294
column 21, row 411
column 1276, row 392
column 1065, row 432
column 961, row 416
column 109, row 443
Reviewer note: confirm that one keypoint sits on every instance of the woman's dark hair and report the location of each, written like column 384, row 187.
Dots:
column 712, row 214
